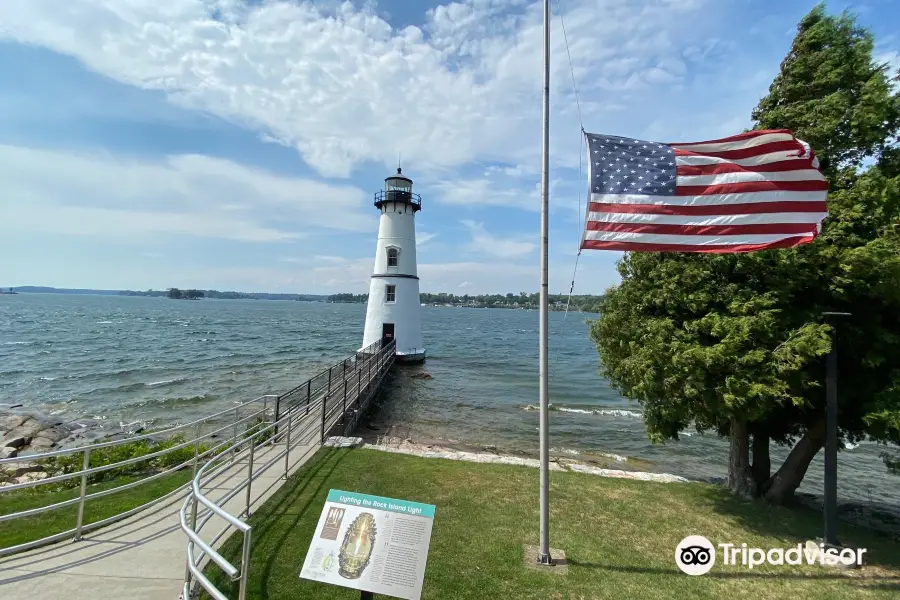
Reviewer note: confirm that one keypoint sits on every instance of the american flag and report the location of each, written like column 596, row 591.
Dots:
column 753, row 191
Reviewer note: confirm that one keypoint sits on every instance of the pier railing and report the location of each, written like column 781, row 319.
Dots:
column 302, row 416
column 331, row 400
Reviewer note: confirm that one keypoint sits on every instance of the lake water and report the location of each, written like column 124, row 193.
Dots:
column 160, row 361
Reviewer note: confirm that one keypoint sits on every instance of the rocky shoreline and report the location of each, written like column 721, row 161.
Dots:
column 490, row 455
column 25, row 433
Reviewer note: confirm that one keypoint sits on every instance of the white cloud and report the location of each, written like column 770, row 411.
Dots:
column 501, row 277
column 423, row 237
column 484, row 192
column 97, row 195
column 892, row 59
column 338, row 82
column 465, row 277
column 492, row 245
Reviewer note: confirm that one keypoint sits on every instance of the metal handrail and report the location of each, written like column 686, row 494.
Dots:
column 317, row 386
column 371, row 365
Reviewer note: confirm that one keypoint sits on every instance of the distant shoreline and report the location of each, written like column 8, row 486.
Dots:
column 209, row 294
column 108, row 293
column 557, row 303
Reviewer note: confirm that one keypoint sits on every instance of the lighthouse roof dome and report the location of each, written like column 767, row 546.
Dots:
column 399, row 175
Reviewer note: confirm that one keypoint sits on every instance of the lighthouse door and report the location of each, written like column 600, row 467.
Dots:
column 387, row 333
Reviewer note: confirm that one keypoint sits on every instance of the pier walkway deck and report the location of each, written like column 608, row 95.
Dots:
column 144, row 555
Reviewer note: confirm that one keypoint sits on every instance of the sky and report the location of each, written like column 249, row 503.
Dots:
column 237, row 144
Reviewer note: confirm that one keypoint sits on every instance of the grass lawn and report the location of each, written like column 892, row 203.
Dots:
column 26, row 529
column 619, row 535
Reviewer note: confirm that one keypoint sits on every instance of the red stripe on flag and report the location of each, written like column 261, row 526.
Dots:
column 701, row 248
column 745, row 187
column 747, row 152
column 672, row 229
column 711, row 209
column 734, row 138
column 720, row 168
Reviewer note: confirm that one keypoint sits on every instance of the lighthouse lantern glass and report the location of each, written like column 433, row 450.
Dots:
column 396, row 184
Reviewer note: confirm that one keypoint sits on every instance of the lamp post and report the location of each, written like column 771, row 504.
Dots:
column 831, row 433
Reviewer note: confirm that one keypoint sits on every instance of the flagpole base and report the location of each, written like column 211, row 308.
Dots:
column 553, row 562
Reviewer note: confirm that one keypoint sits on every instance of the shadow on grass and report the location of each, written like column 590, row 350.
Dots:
column 888, row 587
column 299, row 484
column 799, row 523
column 295, row 491
column 748, row 575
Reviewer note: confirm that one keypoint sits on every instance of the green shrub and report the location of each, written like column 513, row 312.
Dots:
column 72, row 463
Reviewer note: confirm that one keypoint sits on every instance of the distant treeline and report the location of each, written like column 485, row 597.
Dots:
column 584, row 303
column 176, row 294
column 215, row 294
column 349, row 298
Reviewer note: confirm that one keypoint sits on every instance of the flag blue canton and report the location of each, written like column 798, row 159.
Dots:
column 628, row 166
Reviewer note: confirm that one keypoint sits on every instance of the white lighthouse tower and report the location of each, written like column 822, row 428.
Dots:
column 393, row 309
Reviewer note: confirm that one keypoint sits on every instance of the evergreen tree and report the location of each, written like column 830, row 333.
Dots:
column 736, row 343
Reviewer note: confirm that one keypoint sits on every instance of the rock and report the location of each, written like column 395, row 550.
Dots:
column 54, row 433
column 10, row 422
column 40, row 444
column 29, row 428
column 22, row 430
column 8, row 452
column 17, row 469
column 32, row 476
column 15, row 441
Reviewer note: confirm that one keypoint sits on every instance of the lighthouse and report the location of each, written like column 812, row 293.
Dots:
column 393, row 309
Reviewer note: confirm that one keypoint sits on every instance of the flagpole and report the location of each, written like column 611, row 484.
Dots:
column 544, row 548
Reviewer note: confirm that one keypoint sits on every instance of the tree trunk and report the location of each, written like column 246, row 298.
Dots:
column 762, row 464
column 740, row 475
column 786, row 480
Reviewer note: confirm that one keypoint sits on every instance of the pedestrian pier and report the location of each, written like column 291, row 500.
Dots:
column 236, row 459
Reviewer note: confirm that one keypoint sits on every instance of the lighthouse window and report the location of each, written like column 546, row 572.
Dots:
column 392, row 257
column 391, row 295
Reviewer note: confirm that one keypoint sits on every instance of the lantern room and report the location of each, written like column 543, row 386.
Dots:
column 398, row 188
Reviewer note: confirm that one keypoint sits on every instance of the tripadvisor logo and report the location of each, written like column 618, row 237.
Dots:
column 696, row 555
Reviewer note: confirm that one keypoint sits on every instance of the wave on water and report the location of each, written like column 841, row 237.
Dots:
column 103, row 323
column 165, row 382
column 606, row 412
column 180, row 401
column 574, row 452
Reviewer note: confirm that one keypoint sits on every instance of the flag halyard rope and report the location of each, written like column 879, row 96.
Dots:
column 581, row 152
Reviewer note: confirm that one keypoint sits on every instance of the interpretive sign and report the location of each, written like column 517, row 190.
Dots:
column 371, row 543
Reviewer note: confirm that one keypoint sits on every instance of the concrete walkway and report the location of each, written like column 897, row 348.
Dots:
column 140, row 558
